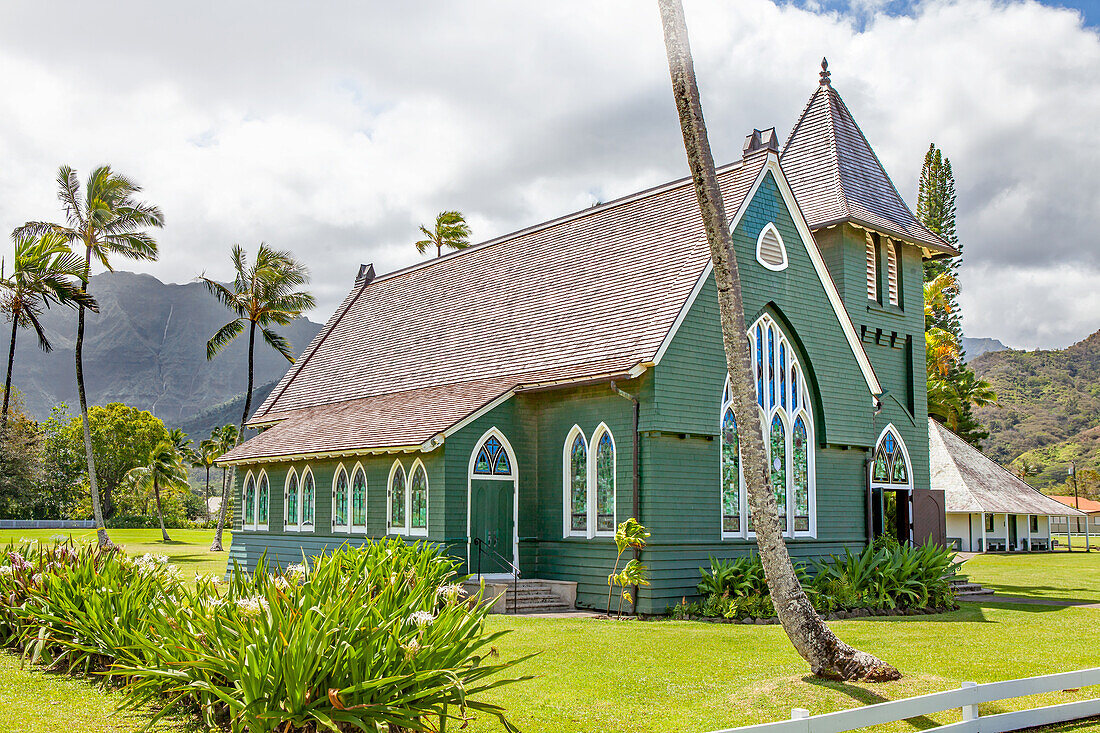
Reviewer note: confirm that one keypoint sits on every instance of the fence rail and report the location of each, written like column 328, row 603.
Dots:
column 46, row 524
column 967, row 697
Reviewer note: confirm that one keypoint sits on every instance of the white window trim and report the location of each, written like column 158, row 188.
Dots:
column 390, row 527
column 245, row 525
column 289, row 526
column 307, row 471
column 905, row 454
column 338, row 528
column 352, row 527
column 567, row 484
column 770, row 227
column 260, row 479
column 789, row 415
column 593, row 510
column 409, row 529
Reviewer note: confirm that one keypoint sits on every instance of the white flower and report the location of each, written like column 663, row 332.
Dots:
column 421, row 618
column 411, row 649
column 6, row 571
column 282, row 584
column 252, row 606
column 296, row 571
column 37, row 579
column 451, row 593
column 55, row 538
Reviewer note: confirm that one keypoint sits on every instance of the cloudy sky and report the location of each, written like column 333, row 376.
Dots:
column 334, row 129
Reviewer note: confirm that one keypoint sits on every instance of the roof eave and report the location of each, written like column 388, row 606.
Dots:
column 941, row 249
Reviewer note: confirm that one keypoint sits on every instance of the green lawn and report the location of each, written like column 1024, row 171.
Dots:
column 1078, row 541
column 189, row 548
column 1056, row 575
column 606, row 676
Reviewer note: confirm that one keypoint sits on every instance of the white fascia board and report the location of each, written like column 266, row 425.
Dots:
column 815, row 257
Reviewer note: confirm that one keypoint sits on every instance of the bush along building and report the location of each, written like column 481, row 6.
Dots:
column 516, row 400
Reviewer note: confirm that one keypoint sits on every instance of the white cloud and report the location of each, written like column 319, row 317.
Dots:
column 334, row 130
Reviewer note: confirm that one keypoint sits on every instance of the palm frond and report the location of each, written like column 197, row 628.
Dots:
column 43, row 340
column 221, row 339
column 68, row 193
column 278, row 342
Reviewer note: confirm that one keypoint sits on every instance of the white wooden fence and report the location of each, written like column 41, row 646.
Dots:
column 967, row 697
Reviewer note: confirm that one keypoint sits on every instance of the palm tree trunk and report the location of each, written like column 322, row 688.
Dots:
column 160, row 512
column 93, row 483
column 206, row 506
column 216, row 545
column 826, row 654
column 11, row 362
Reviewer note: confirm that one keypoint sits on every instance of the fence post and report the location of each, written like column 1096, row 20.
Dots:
column 969, row 712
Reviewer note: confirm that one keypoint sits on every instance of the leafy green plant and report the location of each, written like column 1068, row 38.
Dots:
column 630, row 535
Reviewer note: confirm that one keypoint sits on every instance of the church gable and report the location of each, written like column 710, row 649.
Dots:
column 690, row 376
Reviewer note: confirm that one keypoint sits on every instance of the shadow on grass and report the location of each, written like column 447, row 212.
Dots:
column 865, row 696
column 969, row 612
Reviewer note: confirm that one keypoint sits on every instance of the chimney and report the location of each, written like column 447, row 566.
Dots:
column 760, row 140
column 366, row 272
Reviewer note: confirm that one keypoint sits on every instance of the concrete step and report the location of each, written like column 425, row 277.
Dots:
column 972, row 594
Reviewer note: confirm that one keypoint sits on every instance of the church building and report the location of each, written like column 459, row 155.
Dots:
column 516, row 400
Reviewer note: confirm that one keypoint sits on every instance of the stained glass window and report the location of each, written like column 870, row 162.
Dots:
column 890, row 466
column 261, row 500
column 783, row 374
column 794, row 387
column 418, row 499
column 605, row 484
column 881, row 471
column 397, row 498
column 771, row 367
column 578, row 485
column 340, row 500
column 250, row 501
column 359, row 499
column 759, row 366
column 899, row 475
column 492, row 459
column 731, row 479
column 307, row 499
column 778, row 455
column 800, row 475
column 291, row 514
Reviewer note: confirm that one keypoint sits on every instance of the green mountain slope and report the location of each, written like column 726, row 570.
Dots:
column 1050, row 407
column 147, row 348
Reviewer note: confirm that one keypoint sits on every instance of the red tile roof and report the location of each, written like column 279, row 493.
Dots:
column 836, row 176
column 411, row 353
column 1086, row 505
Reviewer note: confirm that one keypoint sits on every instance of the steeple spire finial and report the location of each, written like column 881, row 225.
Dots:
column 824, row 73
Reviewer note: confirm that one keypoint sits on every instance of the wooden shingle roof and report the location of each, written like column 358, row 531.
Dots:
column 411, row 353
column 971, row 482
column 837, row 178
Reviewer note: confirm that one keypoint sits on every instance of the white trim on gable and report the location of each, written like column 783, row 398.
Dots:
column 810, row 244
column 769, row 228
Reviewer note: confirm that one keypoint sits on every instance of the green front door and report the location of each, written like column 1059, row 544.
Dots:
column 1013, row 532
column 491, row 525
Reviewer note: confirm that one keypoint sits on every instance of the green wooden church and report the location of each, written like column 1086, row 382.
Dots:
column 515, row 400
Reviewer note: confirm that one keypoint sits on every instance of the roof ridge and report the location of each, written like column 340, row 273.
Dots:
column 564, row 218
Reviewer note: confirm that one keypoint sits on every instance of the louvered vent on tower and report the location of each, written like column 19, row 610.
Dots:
column 892, row 272
column 872, row 269
column 770, row 251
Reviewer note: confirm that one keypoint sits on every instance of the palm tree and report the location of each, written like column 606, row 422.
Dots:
column 165, row 468
column 224, row 438
column 826, row 654
column 44, row 271
column 107, row 220
column 261, row 295
column 208, row 453
column 451, row 231
column 180, row 440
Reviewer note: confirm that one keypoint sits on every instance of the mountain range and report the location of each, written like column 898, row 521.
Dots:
column 147, row 348
column 1049, row 408
column 975, row 347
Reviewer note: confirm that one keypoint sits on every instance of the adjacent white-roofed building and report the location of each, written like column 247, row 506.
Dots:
column 987, row 506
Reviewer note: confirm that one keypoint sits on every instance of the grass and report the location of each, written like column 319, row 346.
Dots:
column 189, row 548
column 595, row 675
column 1078, row 541
column 1058, row 575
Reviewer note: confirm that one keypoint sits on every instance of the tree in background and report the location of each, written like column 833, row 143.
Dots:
column 261, row 295
column 107, row 220
column 450, row 231
column 827, row 655
column 164, row 468
column 63, row 468
column 954, row 390
column 123, row 438
column 224, row 439
column 207, row 453
column 44, row 271
column 20, row 464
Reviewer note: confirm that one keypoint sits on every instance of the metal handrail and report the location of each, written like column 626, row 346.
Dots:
column 482, row 547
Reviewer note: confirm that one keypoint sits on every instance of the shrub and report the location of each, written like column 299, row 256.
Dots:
column 373, row 637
